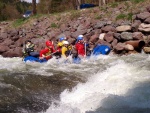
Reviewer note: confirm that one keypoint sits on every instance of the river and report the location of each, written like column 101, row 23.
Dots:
column 103, row 84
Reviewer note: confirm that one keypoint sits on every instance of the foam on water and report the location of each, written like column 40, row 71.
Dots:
column 112, row 82
column 118, row 85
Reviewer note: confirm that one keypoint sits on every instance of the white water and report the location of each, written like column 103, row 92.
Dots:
column 119, row 85
column 112, row 82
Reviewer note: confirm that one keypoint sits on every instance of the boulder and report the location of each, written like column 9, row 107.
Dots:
column 114, row 43
column 17, row 52
column 3, row 48
column 147, row 20
column 129, row 47
column 135, row 25
column 144, row 27
column 108, row 29
column 108, row 37
column 137, row 36
column 123, row 28
column 143, row 16
column 119, row 47
column 3, row 35
column 93, row 38
column 126, row 36
column 146, row 49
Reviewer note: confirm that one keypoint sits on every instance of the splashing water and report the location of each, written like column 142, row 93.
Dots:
column 103, row 84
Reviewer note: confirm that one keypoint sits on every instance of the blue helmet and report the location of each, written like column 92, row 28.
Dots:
column 80, row 37
column 61, row 39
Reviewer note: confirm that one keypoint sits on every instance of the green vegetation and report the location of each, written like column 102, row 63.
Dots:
column 121, row 16
column 19, row 22
column 114, row 4
column 98, row 17
column 125, row 16
column 137, row 1
column 54, row 25
column 129, row 16
column 75, row 14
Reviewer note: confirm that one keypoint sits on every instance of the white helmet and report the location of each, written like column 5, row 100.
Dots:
column 65, row 42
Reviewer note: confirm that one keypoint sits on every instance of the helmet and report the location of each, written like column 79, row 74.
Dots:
column 65, row 42
column 80, row 37
column 62, row 38
column 49, row 43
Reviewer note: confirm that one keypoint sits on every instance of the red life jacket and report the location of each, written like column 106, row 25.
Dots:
column 47, row 52
column 80, row 47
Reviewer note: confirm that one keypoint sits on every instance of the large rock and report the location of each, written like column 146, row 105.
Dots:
column 114, row 43
column 135, row 25
column 3, row 48
column 129, row 47
column 77, row 33
column 108, row 29
column 138, row 36
column 7, row 42
column 146, row 49
column 123, row 28
column 93, row 38
column 100, row 24
column 147, row 20
column 144, row 27
column 17, row 52
column 3, row 35
column 108, row 37
column 126, row 36
column 119, row 47
column 143, row 16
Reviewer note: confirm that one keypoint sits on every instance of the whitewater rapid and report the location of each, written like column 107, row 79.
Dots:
column 103, row 84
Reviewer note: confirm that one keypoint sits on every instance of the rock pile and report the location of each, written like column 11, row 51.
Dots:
column 124, row 37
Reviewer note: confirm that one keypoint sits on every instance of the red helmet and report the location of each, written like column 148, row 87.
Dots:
column 49, row 43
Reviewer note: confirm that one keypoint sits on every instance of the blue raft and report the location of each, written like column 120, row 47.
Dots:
column 34, row 59
column 99, row 49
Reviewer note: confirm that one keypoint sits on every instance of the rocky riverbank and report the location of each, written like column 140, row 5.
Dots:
column 122, row 35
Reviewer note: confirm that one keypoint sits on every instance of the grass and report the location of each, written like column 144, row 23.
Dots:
column 114, row 4
column 19, row 22
column 120, row 16
column 137, row 1
column 75, row 14
column 129, row 16
column 98, row 16
column 53, row 25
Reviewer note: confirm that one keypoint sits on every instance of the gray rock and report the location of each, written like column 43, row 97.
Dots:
column 126, row 36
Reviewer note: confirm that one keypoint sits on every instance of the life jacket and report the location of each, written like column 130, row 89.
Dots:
column 27, row 49
column 80, row 47
column 66, row 51
column 46, row 52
